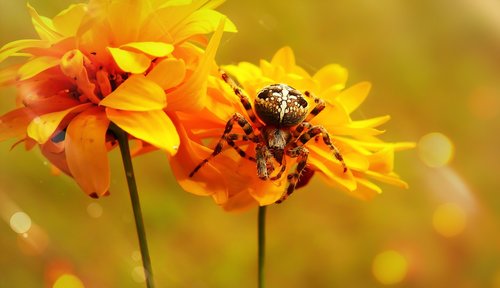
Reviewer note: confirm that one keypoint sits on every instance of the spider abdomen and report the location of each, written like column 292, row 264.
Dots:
column 281, row 105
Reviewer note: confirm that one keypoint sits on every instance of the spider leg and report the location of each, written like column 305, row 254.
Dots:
column 264, row 161
column 245, row 101
column 301, row 153
column 315, row 131
column 231, row 140
column 249, row 133
column 320, row 105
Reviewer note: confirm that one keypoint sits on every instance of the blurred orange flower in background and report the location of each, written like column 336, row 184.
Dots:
column 127, row 62
column 232, row 180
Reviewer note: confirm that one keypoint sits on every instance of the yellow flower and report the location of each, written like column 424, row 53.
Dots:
column 127, row 62
column 232, row 180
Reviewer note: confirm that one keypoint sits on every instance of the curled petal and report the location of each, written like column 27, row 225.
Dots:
column 129, row 61
column 202, row 21
column 155, row 49
column 86, row 151
column 43, row 26
column 13, row 124
column 153, row 127
column 137, row 93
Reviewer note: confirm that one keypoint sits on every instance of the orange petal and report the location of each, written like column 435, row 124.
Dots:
column 202, row 21
column 44, row 126
column 353, row 96
column 36, row 66
column 168, row 73
column 128, row 61
column 137, row 93
column 86, row 152
column 155, row 49
column 8, row 75
column 153, row 127
column 382, row 161
column 54, row 152
column 14, row 123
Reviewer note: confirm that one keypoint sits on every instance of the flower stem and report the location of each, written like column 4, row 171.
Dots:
column 136, row 206
column 262, row 244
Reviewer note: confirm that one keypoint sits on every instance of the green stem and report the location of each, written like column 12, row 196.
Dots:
column 262, row 244
column 136, row 206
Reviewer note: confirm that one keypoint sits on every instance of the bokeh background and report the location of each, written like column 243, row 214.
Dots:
column 435, row 68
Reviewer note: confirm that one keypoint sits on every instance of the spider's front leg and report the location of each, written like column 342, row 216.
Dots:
column 264, row 161
column 301, row 153
column 230, row 138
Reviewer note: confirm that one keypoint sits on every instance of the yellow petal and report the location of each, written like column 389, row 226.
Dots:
column 191, row 95
column 43, row 26
column 86, row 151
column 284, row 58
column 153, row 127
column 137, row 93
column 43, row 127
column 202, row 21
column 390, row 178
column 366, row 189
column 370, row 123
column 332, row 171
column 19, row 45
column 68, row 21
column 382, row 161
column 168, row 73
column 353, row 96
column 124, row 18
column 36, row 66
column 128, row 61
column 155, row 49
column 331, row 75
column 8, row 75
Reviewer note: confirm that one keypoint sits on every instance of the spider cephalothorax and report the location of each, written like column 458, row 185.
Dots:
column 282, row 128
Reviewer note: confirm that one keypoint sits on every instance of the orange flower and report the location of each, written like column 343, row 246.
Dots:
column 127, row 62
column 232, row 180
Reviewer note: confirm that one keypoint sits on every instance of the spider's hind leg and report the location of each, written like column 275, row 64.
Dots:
column 301, row 153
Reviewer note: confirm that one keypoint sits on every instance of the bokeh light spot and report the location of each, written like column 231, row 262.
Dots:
column 138, row 274
column 68, row 281
column 94, row 210
column 449, row 219
column 390, row 267
column 136, row 255
column 435, row 149
column 20, row 222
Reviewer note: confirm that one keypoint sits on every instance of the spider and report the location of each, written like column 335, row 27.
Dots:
column 279, row 126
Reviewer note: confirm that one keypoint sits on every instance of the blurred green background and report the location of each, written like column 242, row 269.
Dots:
column 435, row 67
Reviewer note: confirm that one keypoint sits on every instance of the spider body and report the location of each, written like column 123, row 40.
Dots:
column 280, row 127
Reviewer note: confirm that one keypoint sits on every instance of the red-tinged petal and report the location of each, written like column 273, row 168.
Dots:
column 43, row 127
column 36, row 66
column 353, row 96
column 19, row 45
column 86, row 151
column 332, row 75
column 128, row 61
column 54, row 152
column 191, row 95
column 137, row 93
column 68, row 21
column 13, row 124
column 154, row 127
column 168, row 73
column 202, row 21
column 155, row 49
column 43, row 26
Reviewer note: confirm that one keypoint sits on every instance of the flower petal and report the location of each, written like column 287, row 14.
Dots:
column 168, row 73
column 137, row 93
column 43, row 26
column 154, row 127
column 36, row 66
column 19, row 45
column 68, row 21
column 129, row 61
column 86, row 151
column 155, row 49
column 202, row 21
column 353, row 96
column 14, row 123
column 331, row 75
column 284, row 58
column 43, row 127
